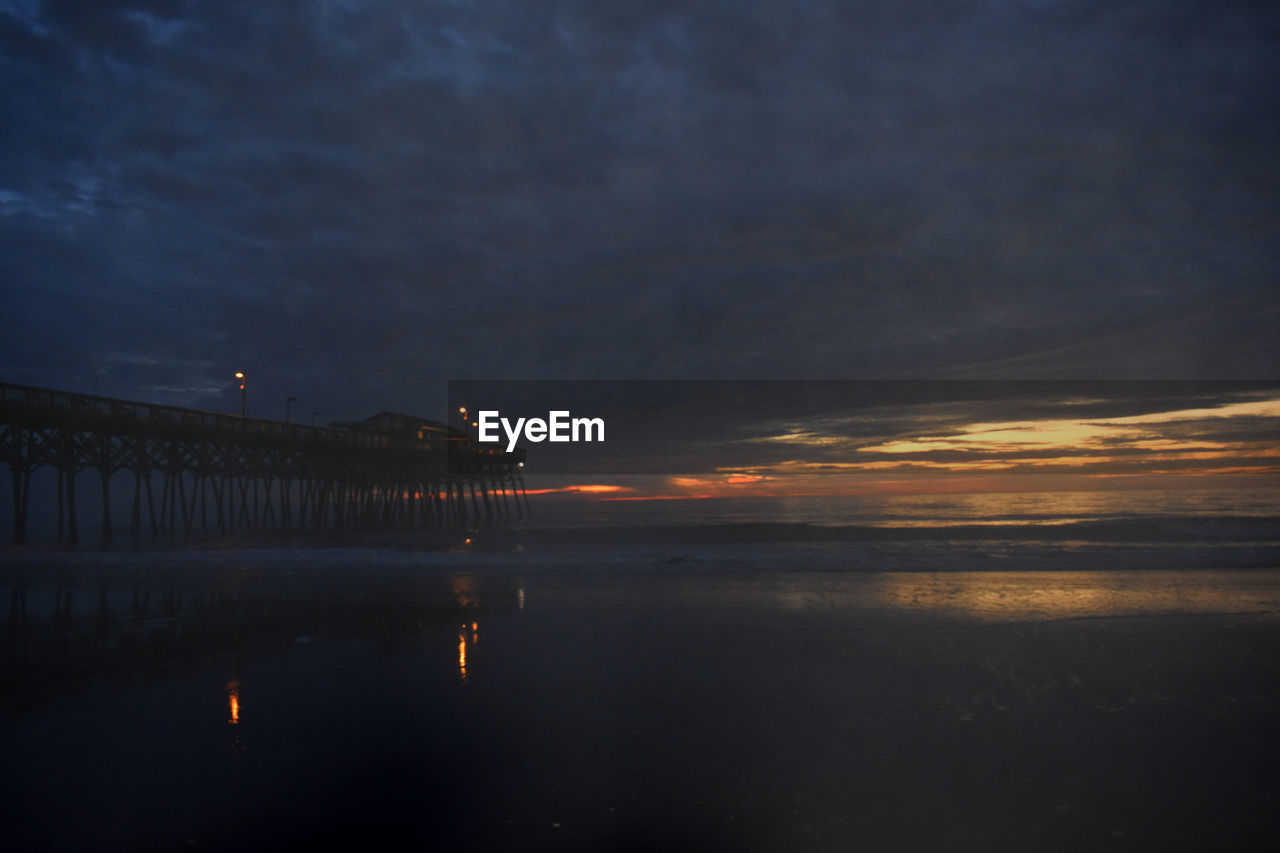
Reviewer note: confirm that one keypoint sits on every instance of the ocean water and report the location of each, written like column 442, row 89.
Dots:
column 1202, row 528
column 919, row 510
column 1027, row 531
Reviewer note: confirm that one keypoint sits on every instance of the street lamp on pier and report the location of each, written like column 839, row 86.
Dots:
column 241, row 377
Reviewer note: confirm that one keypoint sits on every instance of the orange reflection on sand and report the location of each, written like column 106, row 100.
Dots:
column 463, row 589
column 233, row 700
column 1039, row 596
column 462, row 654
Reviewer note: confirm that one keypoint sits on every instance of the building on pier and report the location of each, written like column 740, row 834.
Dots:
column 405, row 426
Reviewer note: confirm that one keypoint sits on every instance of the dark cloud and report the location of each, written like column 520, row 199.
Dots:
column 354, row 201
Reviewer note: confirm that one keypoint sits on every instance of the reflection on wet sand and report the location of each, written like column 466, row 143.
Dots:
column 233, row 744
column 783, row 709
column 1001, row 596
column 462, row 654
column 69, row 625
column 463, row 588
column 462, row 648
column 64, row 625
column 233, row 700
column 1018, row 596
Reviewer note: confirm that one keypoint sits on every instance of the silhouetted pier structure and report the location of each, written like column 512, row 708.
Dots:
column 221, row 473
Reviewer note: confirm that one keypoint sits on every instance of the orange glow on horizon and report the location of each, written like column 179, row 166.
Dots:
column 689, row 497
column 588, row 489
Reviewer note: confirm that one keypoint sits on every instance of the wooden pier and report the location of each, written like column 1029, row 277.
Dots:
column 195, row 471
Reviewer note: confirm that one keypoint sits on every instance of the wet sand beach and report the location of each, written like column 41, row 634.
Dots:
column 261, row 705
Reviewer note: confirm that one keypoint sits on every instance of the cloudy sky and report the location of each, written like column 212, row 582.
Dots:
column 354, row 202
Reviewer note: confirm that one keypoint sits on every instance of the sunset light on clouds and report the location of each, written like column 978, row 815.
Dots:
column 958, row 447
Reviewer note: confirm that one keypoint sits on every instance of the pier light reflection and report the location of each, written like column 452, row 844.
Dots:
column 463, row 640
column 233, row 702
column 462, row 654
column 463, row 589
